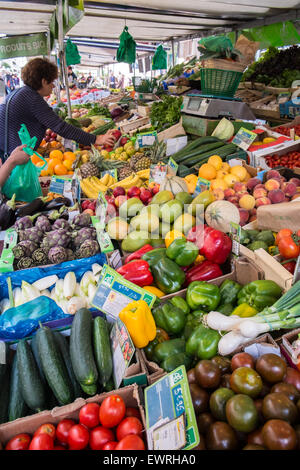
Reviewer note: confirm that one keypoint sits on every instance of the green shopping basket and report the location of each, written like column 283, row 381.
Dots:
column 219, row 82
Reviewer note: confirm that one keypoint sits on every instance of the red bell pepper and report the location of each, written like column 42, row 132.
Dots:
column 203, row 272
column 138, row 272
column 213, row 244
column 138, row 254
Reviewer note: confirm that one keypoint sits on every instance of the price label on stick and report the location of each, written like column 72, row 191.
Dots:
column 202, row 185
column 244, row 138
column 297, row 271
column 122, row 349
column 173, row 167
column 158, row 173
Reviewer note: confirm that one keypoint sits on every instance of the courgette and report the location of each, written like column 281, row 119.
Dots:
column 53, row 366
column 81, row 351
column 17, row 407
column 193, row 145
column 3, row 366
column 103, row 129
column 102, row 351
column 65, row 352
column 33, row 389
column 200, row 158
column 4, row 396
column 34, row 348
column 200, row 150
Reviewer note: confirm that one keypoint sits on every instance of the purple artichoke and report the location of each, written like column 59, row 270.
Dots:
column 59, row 237
column 43, row 224
column 25, row 222
column 85, row 233
column 82, row 220
column 32, row 234
column 24, row 249
column 61, row 223
column 88, row 248
column 57, row 254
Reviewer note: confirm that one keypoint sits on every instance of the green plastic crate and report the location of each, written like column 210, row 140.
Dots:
column 220, row 82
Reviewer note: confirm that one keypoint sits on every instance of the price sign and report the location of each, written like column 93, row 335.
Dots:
column 170, row 433
column 202, row 185
column 166, row 400
column 122, row 349
column 101, row 207
column 158, row 173
column 244, row 138
column 173, row 166
column 176, row 144
column 235, row 234
column 60, row 185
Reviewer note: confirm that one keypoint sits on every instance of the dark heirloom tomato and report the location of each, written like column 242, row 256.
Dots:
column 217, row 402
column 279, row 435
column 199, row 398
column 241, row 413
column 223, row 362
column 258, row 404
column 242, row 360
column 204, row 420
column 279, row 406
column 221, row 436
column 297, row 430
column 256, row 437
column 253, row 447
column 208, row 374
column 292, row 376
column 265, row 390
column 271, row 368
column 246, row 380
column 225, row 381
column 289, row 389
column 191, row 376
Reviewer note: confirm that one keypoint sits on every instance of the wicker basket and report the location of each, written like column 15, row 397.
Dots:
column 221, row 77
column 223, row 64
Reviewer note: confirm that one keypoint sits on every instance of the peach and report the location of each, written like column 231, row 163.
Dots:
column 218, row 194
column 289, row 189
column 272, row 184
column 296, row 181
column 273, row 174
column 240, row 187
column 244, row 216
column 252, row 182
column 259, row 193
column 286, row 199
column 229, row 192
column 252, row 218
column 253, row 211
column 241, row 194
column 276, row 196
column 233, row 199
column 247, row 202
column 262, row 201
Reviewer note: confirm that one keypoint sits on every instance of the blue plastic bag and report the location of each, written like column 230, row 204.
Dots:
column 13, row 324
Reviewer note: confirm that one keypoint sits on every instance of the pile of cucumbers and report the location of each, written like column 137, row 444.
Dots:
column 53, row 371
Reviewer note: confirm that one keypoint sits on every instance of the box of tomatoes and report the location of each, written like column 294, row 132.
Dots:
column 101, row 422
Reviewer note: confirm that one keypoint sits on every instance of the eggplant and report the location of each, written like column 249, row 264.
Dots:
column 37, row 205
column 7, row 212
column 57, row 203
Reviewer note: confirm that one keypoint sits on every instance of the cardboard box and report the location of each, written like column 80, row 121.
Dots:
column 173, row 131
column 154, row 371
column 258, row 346
column 133, row 125
column 278, row 216
column 286, row 342
column 131, row 395
column 256, row 157
column 144, row 110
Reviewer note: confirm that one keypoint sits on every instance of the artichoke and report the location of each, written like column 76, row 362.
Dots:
column 88, row 248
column 32, row 234
column 57, row 254
column 24, row 263
column 61, row 223
column 82, row 220
column 24, row 249
column 40, row 257
column 85, row 233
column 43, row 224
column 70, row 254
column 59, row 237
column 25, row 222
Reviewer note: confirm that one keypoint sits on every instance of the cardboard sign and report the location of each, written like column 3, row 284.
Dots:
column 61, row 185
column 171, row 435
column 235, row 234
column 244, row 138
column 114, row 293
column 122, row 349
column 175, row 144
column 165, row 400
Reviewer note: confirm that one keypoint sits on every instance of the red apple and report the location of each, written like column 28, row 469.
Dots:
column 155, row 189
column 109, row 148
column 133, row 192
column 120, row 200
column 110, row 199
column 123, row 141
column 119, row 191
column 117, row 134
column 145, row 195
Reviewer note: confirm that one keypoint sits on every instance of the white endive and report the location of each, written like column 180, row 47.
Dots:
column 29, row 292
column 74, row 304
column 69, row 285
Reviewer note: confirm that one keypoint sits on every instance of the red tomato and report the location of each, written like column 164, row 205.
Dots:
column 110, row 445
column 99, row 436
column 41, row 442
column 131, row 442
column 288, row 248
column 62, row 430
column 130, row 425
column 112, row 411
column 242, row 360
column 19, row 442
column 58, row 447
column 132, row 412
column 78, row 437
column 290, row 266
column 47, row 428
column 89, row 415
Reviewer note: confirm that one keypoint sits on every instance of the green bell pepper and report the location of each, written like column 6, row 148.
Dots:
column 180, row 303
column 153, row 256
column 203, row 343
column 258, row 244
column 168, row 276
column 182, row 252
column 229, row 291
column 168, row 348
column 259, row 294
column 176, row 360
column 266, row 236
column 203, row 295
column 226, row 309
column 161, row 336
column 170, row 318
column 192, row 321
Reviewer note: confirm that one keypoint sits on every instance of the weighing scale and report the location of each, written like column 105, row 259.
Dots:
column 215, row 107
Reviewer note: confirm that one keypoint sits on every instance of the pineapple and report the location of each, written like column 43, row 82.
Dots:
column 124, row 172
column 89, row 169
column 97, row 164
column 156, row 152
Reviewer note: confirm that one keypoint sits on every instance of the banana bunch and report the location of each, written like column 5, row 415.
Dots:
column 129, row 182
column 91, row 187
column 108, row 180
column 144, row 174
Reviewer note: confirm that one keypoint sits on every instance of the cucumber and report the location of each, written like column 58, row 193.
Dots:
column 193, row 145
column 17, row 407
column 34, row 349
column 65, row 352
column 103, row 129
column 201, row 150
column 81, row 351
column 4, row 396
column 110, row 385
column 102, row 351
column 222, row 152
column 33, row 389
column 3, row 367
column 53, row 366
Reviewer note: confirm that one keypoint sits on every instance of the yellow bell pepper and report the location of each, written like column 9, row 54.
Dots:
column 139, row 321
column 154, row 290
column 244, row 310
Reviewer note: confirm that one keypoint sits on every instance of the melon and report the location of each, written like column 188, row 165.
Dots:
column 175, row 184
column 219, row 215
column 117, row 228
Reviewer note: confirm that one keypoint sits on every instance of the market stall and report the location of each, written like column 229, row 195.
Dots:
column 165, row 265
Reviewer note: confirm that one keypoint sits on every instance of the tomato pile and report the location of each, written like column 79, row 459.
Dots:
column 288, row 160
column 109, row 426
column 288, row 243
column 286, row 130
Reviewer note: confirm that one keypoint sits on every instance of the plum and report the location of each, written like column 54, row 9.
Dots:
column 276, row 196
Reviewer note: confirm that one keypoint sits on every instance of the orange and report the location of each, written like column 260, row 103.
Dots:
column 53, row 162
column 69, row 156
column 218, row 184
column 70, row 173
column 239, row 171
column 207, row 171
column 60, row 169
column 35, row 159
column 68, row 164
column 43, row 143
column 44, row 173
column 215, row 161
column 39, row 164
column 56, row 154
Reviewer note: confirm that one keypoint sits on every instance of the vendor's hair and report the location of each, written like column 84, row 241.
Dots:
column 37, row 69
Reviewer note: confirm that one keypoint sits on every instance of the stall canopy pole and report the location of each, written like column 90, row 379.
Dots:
column 173, row 52
column 62, row 57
